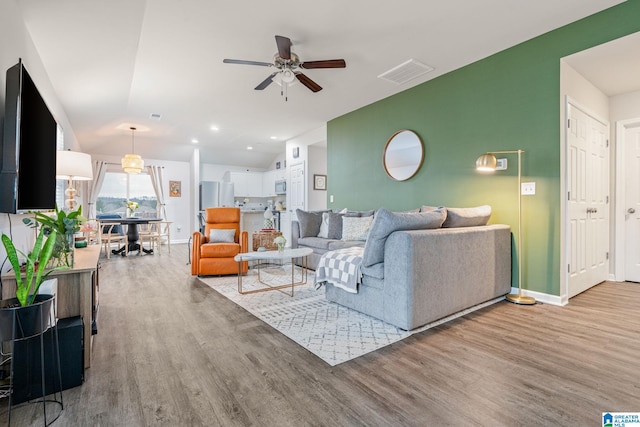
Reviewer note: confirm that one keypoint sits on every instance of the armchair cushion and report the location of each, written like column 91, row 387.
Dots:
column 217, row 235
column 219, row 250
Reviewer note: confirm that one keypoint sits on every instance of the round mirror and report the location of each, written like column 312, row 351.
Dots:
column 403, row 155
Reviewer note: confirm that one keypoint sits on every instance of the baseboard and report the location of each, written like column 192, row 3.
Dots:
column 542, row 297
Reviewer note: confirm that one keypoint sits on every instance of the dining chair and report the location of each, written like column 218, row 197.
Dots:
column 150, row 233
column 111, row 233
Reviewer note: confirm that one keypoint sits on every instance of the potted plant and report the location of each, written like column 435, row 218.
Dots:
column 280, row 241
column 65, row 225
column 24, row 315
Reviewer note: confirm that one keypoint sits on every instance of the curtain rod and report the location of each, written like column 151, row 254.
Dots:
column 118, row 164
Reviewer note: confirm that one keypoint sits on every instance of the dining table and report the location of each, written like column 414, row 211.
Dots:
column 133, row 234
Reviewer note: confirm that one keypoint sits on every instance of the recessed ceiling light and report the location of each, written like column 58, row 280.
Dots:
column 273, row 137
column 215, row 128
column 249, row 148
column 195, row 141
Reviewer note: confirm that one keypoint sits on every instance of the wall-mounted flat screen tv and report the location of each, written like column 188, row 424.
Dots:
column 28, row 155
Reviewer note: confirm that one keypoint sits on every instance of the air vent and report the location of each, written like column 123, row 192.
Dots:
column 156, row 116
column 406, row 71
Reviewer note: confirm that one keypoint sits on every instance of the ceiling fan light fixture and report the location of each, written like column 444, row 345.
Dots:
column 288, row 76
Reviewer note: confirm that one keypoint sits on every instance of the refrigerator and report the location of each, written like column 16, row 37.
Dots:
column 214, row 194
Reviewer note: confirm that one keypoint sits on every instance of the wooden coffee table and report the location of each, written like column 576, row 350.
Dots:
column 270, row 256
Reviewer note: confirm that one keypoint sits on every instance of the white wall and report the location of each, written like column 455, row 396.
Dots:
column 303, row 143
column 16, row 43
column 317, row 165
column 623, row 107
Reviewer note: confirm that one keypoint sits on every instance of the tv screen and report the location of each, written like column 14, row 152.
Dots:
column 28, row 175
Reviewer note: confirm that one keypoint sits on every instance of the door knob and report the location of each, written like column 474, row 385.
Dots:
column 631, row 210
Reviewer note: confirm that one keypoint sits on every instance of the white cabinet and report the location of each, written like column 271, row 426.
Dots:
column 255, row 184
column 246, row 184
column 269, row 184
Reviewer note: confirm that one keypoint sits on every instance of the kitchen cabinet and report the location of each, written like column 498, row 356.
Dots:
column 255, row 184
column 269, row 183
column 246, row 184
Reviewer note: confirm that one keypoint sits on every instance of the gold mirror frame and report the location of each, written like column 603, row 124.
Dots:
column 401, row 154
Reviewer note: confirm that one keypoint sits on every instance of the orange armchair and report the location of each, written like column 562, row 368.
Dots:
column 216, row 257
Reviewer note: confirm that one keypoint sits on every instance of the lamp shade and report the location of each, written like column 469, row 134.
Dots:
column 73, row 165
column 486, row 163
column 132, row 163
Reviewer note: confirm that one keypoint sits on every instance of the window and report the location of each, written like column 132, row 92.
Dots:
column 118, row 187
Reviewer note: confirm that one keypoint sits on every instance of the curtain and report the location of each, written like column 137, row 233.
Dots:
column 99, row 172
column 155, row 172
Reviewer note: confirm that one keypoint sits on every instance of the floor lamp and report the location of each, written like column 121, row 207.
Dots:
column 73, row 165
column 487, row 163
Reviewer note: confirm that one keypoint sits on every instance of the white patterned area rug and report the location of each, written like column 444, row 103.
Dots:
column 334, row 333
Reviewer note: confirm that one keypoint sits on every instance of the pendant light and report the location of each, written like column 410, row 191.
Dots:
column 132, row 163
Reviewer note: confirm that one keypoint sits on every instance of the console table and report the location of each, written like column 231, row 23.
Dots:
column 77, row 291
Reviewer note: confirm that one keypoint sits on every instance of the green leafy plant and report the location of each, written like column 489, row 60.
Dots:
column 65, row 225
column 62, row 222
column 36, row 260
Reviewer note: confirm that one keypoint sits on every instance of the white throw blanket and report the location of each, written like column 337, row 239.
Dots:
column 341, row 268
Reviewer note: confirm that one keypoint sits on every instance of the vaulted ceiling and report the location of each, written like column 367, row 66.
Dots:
column 118, row 63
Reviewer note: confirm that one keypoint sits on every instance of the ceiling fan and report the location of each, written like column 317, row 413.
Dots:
column 288, row 65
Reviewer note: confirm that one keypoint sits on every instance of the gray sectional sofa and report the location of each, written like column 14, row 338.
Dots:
column 420, row 267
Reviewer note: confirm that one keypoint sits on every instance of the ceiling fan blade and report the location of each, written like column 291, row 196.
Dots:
column 329, row 63
column 243, row 62
column 284, row 47
column 266, row 82
column 313, row 86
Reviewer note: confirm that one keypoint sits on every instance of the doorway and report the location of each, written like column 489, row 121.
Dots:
column 628, row 200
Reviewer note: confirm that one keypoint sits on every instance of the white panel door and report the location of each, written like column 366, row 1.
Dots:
column 587, row 206
column 632, row 204
column 296, row 190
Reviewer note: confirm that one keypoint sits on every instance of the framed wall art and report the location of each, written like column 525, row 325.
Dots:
column 319, row 182
column 175, row 188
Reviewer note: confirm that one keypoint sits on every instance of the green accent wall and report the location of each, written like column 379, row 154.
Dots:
column 508, row 101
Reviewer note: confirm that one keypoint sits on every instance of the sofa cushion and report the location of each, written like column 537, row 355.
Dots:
column 314, row 242
column 309, row 223
column 341, row 244
column 467, row 217
column 359, row 213
column 218, row 235
column 219, row 250
column 375, row 270
column 386, row 222
column 355, row 228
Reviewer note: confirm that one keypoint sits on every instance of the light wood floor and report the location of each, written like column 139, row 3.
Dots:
column 172, row 352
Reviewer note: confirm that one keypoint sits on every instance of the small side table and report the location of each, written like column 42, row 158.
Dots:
column 265, row 239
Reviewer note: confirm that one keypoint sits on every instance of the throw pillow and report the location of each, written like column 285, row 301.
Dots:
column 324, row 226
column 309, row 223
column 220, row 235
column 467, row 217
column 386, row 222
column 356, row 227
column 335, row 226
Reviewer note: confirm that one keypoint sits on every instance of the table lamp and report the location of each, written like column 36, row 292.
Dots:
column 73, row 166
